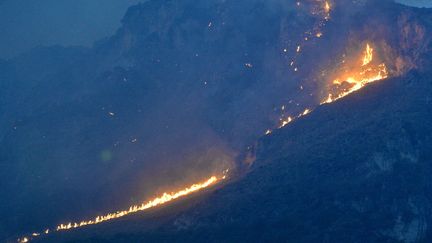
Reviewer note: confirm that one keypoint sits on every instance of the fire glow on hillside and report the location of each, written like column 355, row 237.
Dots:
column 322, row 9
column 365, row 70
column 163, row 199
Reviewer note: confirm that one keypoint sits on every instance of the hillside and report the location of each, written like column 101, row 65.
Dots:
column 353, row 171
column 179, row 93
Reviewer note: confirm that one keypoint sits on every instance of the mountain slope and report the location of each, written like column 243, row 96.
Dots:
column 352, row 171
column 174, row 96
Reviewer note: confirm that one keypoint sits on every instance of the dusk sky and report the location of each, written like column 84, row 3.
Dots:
column 417, row 3
column 25, row 24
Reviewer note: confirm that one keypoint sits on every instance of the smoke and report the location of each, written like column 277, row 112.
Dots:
column 175, row 96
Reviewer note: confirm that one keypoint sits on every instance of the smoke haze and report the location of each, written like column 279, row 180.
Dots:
column 26, row 24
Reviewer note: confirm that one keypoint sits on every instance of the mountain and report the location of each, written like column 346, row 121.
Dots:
column 167, row 100
column 356, row 170
column 184, row 87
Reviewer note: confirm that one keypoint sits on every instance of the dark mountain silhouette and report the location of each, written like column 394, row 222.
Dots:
column 179, row 92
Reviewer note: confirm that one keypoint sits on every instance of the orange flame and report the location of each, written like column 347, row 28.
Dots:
column 368, row 55
column 358, row 77
column 163, row 199
column 327, row 7
column 290, row 119
column 355, row 79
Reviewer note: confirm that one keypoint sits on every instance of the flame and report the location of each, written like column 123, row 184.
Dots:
column 305, row 112
column 368, row 55
column 360, row 76
column 285, row 121
column 163, row 199
column 290, row 119
column 327, row 7
column 166, row 197
column 323, row 9
column 366, row 72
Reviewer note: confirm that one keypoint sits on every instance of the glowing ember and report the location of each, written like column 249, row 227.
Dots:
column 323, row 9
column 367, row 71
column 23, row 240
column 163, row 199
column 305, row 112
column 286, row 122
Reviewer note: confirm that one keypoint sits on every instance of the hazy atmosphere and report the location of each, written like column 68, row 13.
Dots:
column 417, row 3
column 215, row 121
column 25, row 24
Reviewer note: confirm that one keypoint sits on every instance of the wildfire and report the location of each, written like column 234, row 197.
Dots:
column 368, row 55
column 357, row 77
column 323, row 9
column 327, row 7
column 163, row 199
column 367, row 71
column 290, row 119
